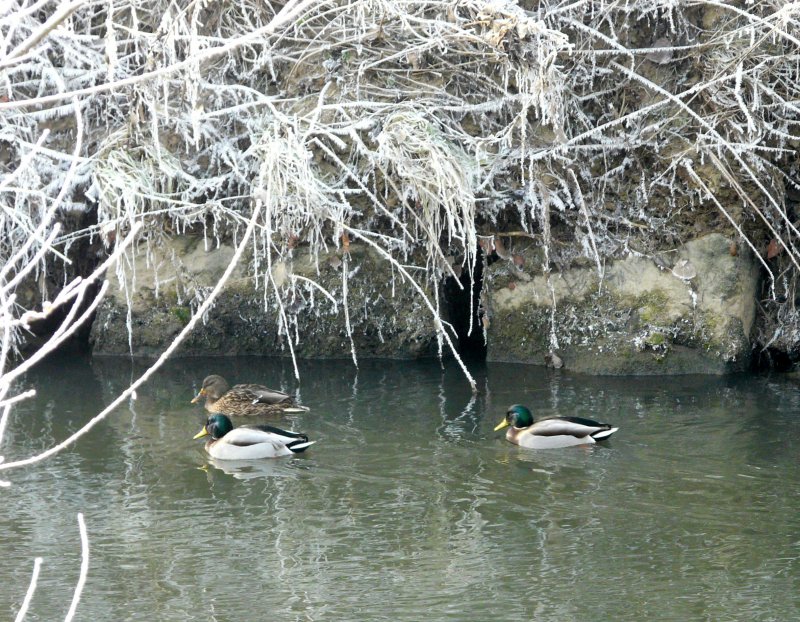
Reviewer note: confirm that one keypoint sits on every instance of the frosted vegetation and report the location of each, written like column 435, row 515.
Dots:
column 418, row 128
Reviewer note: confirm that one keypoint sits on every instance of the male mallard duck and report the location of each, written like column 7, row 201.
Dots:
column 244, row 399
column 249, row 442
column 551, row 432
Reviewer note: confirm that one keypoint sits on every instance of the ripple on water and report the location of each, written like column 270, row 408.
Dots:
column 410, row 507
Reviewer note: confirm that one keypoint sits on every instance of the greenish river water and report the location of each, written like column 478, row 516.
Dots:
column 409, row 507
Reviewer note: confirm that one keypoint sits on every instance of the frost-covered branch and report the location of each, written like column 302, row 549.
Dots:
column 84, row 573
column 425, row 124
column 131, row 390
column 76, row 596
column 23, row 610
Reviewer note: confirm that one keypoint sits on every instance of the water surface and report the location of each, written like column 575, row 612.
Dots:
column 409, row 507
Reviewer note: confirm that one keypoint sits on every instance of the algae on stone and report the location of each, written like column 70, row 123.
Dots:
column 386, row 316
column 639, row 318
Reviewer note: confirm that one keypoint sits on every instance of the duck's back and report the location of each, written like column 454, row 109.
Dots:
column 253, row 400
column 554, row 432
column 260, row 394
column 572, row 426
column 250, row 443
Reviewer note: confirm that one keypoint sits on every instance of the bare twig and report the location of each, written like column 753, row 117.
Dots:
column 76, row 597
column 23, row 610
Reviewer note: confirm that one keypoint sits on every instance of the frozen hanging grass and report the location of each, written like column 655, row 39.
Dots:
column 591, row 129
column 435, row 179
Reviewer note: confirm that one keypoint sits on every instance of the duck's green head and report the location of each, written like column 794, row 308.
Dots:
column 214, row 387
column 517, row 416
column 216, row 427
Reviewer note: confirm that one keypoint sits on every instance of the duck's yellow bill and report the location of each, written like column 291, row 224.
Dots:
column 199, row 396
column 201, row 433
column 501, row 425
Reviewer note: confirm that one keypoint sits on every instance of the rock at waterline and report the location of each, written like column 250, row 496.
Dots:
column 387, row 317
column 695, row 316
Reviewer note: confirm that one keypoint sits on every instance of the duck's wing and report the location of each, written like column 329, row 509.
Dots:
column 567, row 426
column 247, row 444
column 286, row 435
column 249, row 435
column 259, row 394
column 245, row 436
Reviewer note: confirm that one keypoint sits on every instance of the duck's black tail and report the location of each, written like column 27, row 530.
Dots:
column 603, row 434
column 299, row 446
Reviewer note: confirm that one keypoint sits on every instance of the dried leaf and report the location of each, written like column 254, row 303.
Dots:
column 500, row 248
column 774, row 248
column 658, row 55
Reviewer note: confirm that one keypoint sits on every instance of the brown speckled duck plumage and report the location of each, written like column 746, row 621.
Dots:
column 243, row 400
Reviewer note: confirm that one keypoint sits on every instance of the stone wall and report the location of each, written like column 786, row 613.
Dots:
column 386, row 315
column 689, row 311
column 692, row 311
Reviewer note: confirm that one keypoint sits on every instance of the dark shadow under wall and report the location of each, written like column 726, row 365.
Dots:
column 42, row 330
column 460, row 308
column 85, row 254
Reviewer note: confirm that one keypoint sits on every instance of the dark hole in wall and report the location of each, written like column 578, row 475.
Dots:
column 772, row 359
column 42, row 330
column 774, row 349
column 471, row 344
column 84, row 256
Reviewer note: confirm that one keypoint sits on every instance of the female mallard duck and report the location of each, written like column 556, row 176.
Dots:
column 249, row 442
column 244, row 399
column 551, row 432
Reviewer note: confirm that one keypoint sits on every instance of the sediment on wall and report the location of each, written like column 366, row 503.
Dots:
column 695, row 314
column 386, row 316
column 638, row 318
